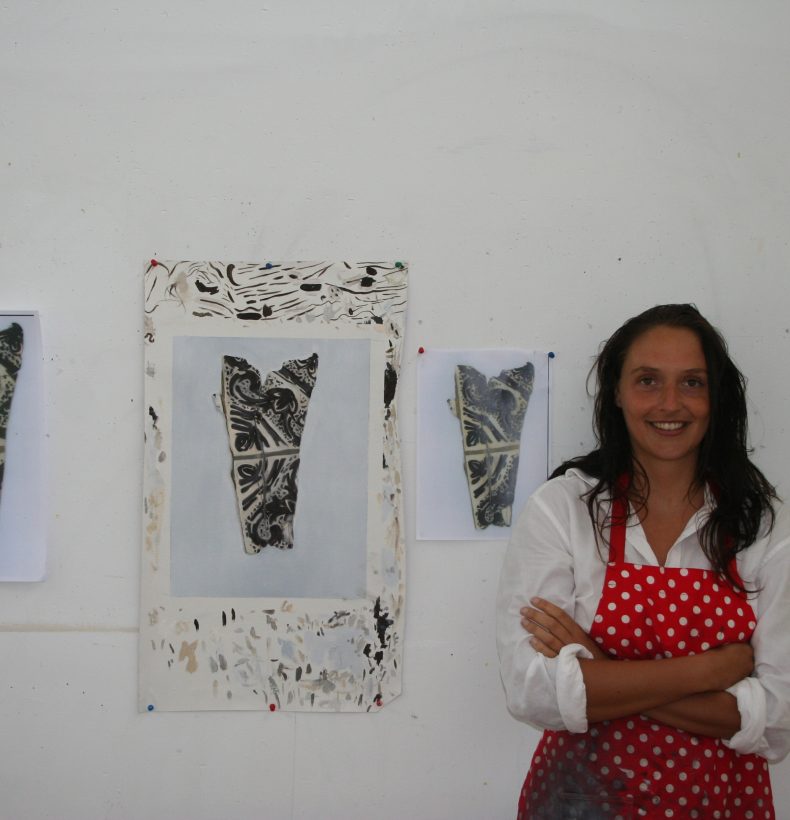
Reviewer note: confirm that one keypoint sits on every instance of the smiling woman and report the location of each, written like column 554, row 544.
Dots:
column 664, row 547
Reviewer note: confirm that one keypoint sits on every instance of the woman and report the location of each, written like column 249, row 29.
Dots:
column 663, row 547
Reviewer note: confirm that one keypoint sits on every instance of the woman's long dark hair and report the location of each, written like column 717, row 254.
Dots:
column 744, row 495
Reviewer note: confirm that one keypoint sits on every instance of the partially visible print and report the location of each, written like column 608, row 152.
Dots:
column 491, row 414
column 265, row 422
column 11, row 343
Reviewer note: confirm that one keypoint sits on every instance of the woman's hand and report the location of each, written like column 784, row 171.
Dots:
column 729, row 664
column 552, row 628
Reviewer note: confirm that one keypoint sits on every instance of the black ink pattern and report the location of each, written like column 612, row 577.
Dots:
column 491, row 415
column 363, row 294
column 11, row 342
column 265, row 424
column 390, row 386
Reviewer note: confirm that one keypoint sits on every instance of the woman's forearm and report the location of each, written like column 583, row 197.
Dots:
column 623, row 688
column 712, row 714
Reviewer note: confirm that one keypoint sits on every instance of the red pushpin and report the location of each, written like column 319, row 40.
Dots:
column 272, row 707
column 421, row 350
column 154, row 263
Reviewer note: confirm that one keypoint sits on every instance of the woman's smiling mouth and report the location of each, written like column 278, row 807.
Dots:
column 668, row 426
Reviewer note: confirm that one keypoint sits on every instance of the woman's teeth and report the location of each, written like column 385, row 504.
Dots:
column 668, row 425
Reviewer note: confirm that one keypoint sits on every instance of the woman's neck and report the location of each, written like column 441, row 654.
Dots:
column 670, row 484
column 665, row 505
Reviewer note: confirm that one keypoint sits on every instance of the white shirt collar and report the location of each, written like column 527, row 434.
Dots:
column 635, row 535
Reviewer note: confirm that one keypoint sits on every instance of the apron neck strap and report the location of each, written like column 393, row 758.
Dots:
column 617, row 530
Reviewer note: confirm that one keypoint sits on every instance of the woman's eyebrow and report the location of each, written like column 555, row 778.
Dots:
column 646, row 368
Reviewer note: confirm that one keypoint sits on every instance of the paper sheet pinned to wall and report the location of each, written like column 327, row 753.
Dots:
column 316, row 624
column 478, row 463
column 23, row 497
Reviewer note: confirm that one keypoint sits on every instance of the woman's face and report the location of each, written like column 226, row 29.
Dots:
column 663, row 393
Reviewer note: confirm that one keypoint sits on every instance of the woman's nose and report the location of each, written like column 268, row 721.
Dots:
column 670, row 397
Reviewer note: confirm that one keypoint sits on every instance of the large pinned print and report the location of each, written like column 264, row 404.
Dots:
column 272, row 562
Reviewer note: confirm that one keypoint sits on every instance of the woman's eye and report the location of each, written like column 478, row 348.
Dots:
column 646, row 380
column 695, row 383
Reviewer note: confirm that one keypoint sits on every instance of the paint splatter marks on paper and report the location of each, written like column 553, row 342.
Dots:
column 187, row 653
column 390, row 386
column 383, row 622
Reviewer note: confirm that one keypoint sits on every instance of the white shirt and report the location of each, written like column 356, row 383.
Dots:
column 553, row 554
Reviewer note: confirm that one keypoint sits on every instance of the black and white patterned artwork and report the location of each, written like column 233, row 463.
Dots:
column 23, row 496
column 491, row 414
column 272, row 560
column 11, row 345
column 482, row 445
column 265, row 421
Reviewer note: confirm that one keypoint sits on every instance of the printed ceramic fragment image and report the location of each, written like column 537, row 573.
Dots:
column 265, row 422
column 11, row 343
column 491, row 414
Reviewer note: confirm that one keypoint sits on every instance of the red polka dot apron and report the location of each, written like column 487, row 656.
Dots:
column 635, row 767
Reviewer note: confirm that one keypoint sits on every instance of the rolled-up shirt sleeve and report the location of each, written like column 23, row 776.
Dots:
column 750, row 697
column 764, row 699
column 547, row 693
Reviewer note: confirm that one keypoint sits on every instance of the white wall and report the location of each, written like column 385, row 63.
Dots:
column 548, row 167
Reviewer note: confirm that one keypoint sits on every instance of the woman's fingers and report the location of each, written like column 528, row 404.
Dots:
column 545, row 629
column 530, row 615
column 563, row 623
column 556, row 613
column 550, row 617
column 539, row 646
column 556, row 629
